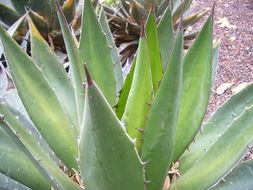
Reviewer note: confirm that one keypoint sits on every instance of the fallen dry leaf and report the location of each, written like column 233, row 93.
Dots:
column 239, row 87
column 232, row 39
column 166, row 183
column 224, row 23
column 223, row 87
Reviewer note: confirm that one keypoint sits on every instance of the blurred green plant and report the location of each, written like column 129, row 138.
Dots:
column 42, row 12
column 87, row 129
column 126, row 16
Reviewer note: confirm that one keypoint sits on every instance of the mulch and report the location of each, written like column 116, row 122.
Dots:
column 235, row 64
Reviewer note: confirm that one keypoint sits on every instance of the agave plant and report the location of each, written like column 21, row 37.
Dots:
column 125, row 20
column 43, row 13
column 83, row 129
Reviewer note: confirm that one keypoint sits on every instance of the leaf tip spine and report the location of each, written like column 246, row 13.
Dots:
column 149, row 104
column 147, row 181
column 60, row 11
column 143, row 35
column 181, row 24
column 214, row 4
column 140, row 130
column 89, row 80
column 144, row 163
column 58, row 5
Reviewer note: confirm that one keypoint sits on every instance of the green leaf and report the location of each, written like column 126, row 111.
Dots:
column 115, row 56
column 14, row 28
column 160, row 131
column 55, row 74
column 239, row 178
column 97, row 54
column 41, row 7
column 53, row 15
column 20, row 5
column 12, row 99
column 40, row 101
column 197, row 80
column 176, row 3
column 215, row 61
column 7, row 3
column 3, row 81
column 69, row 10
column 15, row 106
column 120, row 108
column 158, row 2
column 216, row 126
column 40, row 23
column 191, row 20
column 27, row 124
column 139, row 10
column 12, row 15
column 177, row 12
column 147, row 4
column 7, row 183
column 162, row 7
column 154, row 51
column 61, row 2
column 16, row 164
column 140, row 95
column 222, row 155
column 108, row 158
column 76, row 66
column 165, row 36
column 23, row 138
column 191, row 36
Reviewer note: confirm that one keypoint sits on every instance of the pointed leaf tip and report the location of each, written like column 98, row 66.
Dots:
column 59, row 9
column 34, row 29
column 58, row 5
column 143, row 35
column 181, row 26
column 89, row 80
column 214, row 4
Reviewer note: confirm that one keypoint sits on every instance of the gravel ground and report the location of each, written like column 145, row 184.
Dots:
column 233, row 25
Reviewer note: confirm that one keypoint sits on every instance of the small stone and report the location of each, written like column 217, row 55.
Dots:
column 223, row 87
